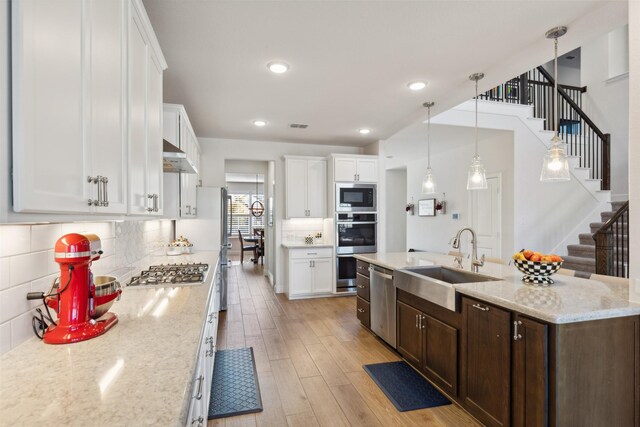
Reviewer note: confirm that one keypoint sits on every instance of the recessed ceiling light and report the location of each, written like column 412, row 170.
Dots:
column 417, row 85
column 259, row 123
column 365, row 131
column 278, row 67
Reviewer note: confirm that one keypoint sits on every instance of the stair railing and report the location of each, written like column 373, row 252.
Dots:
column 612, row 245
column 584, row 139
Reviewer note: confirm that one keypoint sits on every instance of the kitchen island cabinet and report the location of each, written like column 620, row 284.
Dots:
column 141, row 372
column 564, row 355
column 486, row 362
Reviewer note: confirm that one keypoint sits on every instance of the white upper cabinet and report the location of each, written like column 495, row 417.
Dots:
column 306, row 187
column 70, row 101
column 146, row 65
column 178, row 131
column 52, row 156
column 354, row 169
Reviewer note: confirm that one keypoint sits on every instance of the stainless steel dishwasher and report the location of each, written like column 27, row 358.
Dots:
column 383, row 304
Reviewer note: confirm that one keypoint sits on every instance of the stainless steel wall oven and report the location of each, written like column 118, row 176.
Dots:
column 355, row 233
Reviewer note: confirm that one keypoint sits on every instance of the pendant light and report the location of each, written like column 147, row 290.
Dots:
column 555, row 166
column 428, row 182
column 257, row 208
column 477, row 177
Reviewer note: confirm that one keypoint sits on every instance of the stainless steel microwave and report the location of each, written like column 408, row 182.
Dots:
column 356, row 197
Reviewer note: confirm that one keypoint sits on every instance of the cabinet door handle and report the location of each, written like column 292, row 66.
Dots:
column 479, row 307
column 157, row 203
column 96, row 202
column 198, row 420
column 211, row 317
column 198, row 395
column 105, row 191
column 516, row 335
column 361, row 310
column 212, row 349
column 423, row 322
column 417, row 315
column 150, row 196
column 195, row 210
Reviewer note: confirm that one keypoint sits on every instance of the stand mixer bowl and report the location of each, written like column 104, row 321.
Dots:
column 108, row 290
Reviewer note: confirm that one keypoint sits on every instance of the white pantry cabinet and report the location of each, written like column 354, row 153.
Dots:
column 69, row 134
column 355, row 169
column 306, row 187
column 146, row 65
column 309, row 272
column 179, row 132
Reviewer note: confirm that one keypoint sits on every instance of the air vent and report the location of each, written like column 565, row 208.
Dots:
column 570, row 57
column 298, row 126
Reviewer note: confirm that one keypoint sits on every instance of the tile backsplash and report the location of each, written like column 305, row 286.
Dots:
column 27, row 265
column 295, row 230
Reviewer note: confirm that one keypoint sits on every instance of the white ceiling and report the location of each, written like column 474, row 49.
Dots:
column 350, row 61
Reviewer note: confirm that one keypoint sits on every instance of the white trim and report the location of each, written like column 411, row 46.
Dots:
column 618, row 77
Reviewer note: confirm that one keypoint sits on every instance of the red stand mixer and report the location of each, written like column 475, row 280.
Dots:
column 75, row 299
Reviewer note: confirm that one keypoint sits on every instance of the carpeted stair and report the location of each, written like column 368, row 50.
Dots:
column 582, row 257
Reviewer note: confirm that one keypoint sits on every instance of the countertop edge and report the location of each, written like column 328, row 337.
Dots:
column 570, row 317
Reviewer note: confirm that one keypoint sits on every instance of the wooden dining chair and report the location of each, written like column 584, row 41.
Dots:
column 253, row 248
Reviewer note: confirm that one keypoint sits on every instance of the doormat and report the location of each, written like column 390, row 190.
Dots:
column 405, row 387
column 234, row 389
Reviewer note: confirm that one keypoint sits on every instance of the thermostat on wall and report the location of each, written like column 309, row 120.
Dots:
column 455, row 215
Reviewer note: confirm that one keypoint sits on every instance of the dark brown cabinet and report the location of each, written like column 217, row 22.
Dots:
column 529, row 375
column 362, row 290
column 429, row 344
column 486, row 362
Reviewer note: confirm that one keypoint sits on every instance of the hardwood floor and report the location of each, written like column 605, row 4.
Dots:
column 309, row 356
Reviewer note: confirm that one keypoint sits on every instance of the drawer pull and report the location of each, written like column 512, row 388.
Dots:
column 361, row 286
column 198, row 420
column 361, row 310
column 198, row 395
column 516, row 335
column 479, row 307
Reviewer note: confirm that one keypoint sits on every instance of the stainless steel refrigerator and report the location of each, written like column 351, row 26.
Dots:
column 210, row 230
column 225, row 263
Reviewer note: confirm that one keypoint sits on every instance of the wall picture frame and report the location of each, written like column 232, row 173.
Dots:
column 427, row 207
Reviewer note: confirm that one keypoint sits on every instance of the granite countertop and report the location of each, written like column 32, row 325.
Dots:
column 139, row 372
column 302, row 245
column 568, row 300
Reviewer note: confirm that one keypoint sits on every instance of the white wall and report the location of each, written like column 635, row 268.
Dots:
column 396, row 215
column 451, row 152
column 606, row 102
column 568, row 75
column 216, row 151
column 634, row 147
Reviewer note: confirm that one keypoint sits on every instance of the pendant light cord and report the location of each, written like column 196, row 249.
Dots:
column 429, row 137
column 476, row 117
column 555, row 88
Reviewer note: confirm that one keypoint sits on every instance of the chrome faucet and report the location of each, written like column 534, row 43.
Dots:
column 475, row 262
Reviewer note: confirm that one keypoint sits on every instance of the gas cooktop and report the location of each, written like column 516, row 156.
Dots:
column 179, row 274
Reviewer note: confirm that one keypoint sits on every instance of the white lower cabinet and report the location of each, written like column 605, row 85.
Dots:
column 309, row 272
column 202, row 378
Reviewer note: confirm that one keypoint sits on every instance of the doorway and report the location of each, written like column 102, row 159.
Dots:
column 252, row 183
column 486, row 216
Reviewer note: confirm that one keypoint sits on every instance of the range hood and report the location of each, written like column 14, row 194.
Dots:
column 175, row 160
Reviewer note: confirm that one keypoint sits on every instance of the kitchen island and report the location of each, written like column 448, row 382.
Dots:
column 516, row 354
column 138, row 373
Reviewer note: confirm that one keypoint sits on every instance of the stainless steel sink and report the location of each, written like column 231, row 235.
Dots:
column 435, row 283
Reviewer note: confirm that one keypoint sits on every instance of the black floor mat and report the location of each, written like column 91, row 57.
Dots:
column 234, row 389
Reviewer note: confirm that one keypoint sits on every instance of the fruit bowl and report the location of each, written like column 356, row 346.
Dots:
column 537, row 272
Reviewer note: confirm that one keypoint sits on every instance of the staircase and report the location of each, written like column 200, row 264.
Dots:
column 582, row 257
column 588, row 149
